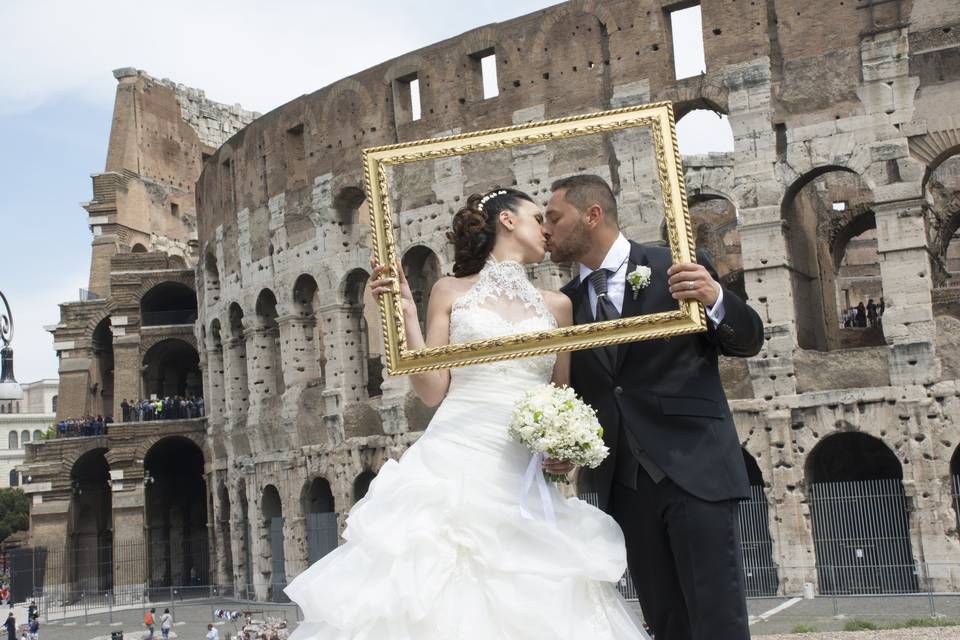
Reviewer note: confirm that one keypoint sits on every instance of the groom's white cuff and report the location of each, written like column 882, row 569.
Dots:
column 717, row 312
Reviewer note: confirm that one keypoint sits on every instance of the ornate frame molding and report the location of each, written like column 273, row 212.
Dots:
column 657, row 117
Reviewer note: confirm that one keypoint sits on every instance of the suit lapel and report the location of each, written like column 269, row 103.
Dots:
column 632, row 305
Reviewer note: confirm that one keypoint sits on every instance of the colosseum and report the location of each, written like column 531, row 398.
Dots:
column 843, row 186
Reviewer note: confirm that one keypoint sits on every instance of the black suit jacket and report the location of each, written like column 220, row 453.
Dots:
column 667, row 392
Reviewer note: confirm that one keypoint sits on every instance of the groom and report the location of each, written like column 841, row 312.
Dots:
column 675, row 472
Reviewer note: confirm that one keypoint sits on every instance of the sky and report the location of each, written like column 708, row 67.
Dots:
column 57, row 92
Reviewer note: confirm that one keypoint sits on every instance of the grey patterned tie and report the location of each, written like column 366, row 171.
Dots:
column 605, row 309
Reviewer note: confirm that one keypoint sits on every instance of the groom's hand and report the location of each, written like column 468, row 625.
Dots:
column 689, row 281
column 558, row 467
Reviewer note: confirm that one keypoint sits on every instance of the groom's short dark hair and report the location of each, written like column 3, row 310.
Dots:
column 585, row 190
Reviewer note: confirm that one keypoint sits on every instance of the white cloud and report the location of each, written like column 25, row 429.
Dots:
column 253, row 53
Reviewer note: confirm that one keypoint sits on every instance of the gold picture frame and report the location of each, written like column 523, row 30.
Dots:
column 688, row 318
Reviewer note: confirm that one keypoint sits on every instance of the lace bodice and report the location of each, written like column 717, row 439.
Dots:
column 502, row 302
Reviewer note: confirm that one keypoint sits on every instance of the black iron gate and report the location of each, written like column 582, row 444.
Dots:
column 861, row 536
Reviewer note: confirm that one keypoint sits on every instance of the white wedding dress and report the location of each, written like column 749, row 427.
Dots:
column 438, row 548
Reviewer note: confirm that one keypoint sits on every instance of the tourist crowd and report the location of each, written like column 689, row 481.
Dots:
column 168, row 408
column 85, row 426
column 863, row 315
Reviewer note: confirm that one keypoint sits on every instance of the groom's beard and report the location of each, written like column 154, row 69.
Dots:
column 574, row 247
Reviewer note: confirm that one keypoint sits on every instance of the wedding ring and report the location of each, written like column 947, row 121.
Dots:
column 689, row 284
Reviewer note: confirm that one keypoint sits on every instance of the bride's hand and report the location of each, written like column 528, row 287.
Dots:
column 379, row 285
column 558, row 467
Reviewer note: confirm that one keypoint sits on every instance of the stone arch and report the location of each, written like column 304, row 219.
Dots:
column 175, row 502
column 816, row 210
column 90, row 522
column 715, row 222
column 361, row 484
column 272, row 534
column 340, row 89
column 168, row 303
column 235, row 363
column 403, row 66
column 347, row 202
column 320, row 518
column 266, row 358
column 851, row 237
column 859, row 516
column 699, row 132
column 308, row 352
column 100, row 400
column 138, row 248
column 756, row 544
column 422, row 267
column 171, row 367
column 365, row 340
column 211, row 277
column 942, row 194
column 574, row 41
column 215, row 369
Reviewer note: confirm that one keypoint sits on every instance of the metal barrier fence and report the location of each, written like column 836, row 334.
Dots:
column 756, row 548
column 861, row 537
column 860, row 530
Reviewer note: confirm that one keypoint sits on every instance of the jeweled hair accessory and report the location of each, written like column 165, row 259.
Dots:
column 490, row 196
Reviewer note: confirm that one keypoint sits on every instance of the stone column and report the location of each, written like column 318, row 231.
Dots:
column 129, row 530
column 908, row 323
column 767, row 276
column 236, row 399
column 294, row 537
column 215, row 404
column 298, row 349
column 126, row 369
column 347, row 353
column 239, row 543
column 263, row 365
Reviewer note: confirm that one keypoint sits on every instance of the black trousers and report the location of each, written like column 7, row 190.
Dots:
column 684, row 556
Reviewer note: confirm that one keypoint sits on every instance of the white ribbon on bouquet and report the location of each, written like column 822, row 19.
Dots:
column 534, row 475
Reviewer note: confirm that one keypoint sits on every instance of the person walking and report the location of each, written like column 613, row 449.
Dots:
column 166, row 621
column 212, row 633
column 149, row 623
column 11, row 626
column 34, row 628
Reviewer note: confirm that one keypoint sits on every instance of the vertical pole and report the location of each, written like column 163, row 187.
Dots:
column 833, row 577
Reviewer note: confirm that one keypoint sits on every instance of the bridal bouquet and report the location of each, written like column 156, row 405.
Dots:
column 552, row 421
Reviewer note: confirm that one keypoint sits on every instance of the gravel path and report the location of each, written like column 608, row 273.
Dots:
column 940, row 633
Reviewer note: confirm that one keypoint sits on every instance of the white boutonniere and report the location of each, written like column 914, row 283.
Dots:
column 639, row 278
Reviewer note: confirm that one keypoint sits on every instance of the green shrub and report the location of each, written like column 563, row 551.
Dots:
column 803, row 628
column 859, row 625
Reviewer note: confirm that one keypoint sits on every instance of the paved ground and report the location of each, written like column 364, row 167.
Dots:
column 943, row 633
column 770, row 617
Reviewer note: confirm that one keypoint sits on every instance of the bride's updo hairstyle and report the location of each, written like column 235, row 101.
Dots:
column 474, row 228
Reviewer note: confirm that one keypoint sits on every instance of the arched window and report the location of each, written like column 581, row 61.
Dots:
column 168, row 303
column 37, row 434
column 703, row 131
column 860, row 516
column 53, row 404
column 834, row 265
column 12, row 440
column 362, row 484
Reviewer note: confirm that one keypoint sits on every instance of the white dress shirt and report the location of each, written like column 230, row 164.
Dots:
column 616, row 261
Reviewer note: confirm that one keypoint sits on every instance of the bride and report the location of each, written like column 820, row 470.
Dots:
column 438, row 548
